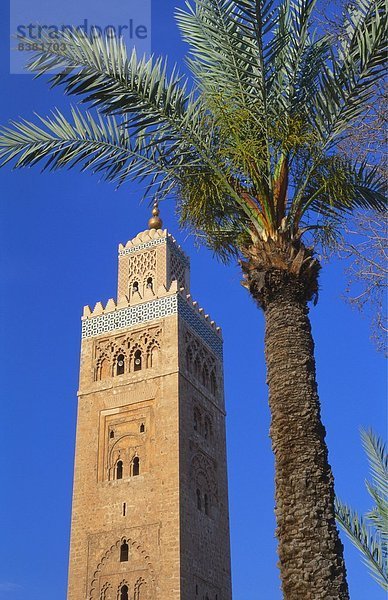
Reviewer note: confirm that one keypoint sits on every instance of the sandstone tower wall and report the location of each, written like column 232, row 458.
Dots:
column 150, row 504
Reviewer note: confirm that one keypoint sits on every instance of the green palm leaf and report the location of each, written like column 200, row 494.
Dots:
column 99, row 144
column 368, row 543
column 370, row 534
column 255, row 128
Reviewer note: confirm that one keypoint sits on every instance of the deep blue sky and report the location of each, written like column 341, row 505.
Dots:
column 58, row 242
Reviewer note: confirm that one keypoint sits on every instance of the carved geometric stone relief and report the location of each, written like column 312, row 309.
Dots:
column 124, row 443
column 200, row 363
column 111, row 575
column 150, row 311
column 127, row 353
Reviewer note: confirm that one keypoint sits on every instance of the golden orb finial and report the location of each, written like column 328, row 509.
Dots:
column 155, row 221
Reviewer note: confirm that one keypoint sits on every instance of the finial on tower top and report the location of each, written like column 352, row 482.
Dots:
column 155, row 221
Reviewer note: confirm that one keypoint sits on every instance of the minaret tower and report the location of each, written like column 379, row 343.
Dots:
column 150, row 502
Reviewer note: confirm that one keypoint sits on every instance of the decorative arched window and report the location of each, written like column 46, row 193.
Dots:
column 112, row 434
column 136, row 466
column 124, row 592
column 189, row 359
column 150, row 284
column 120, row 364
column 205, row 376
column 208, row 429
column 135, row 287
column 140, row 590
column 153, row 357
column 197, row 367
column 104, row 370
column 142, row 428
column 124, row 552
column 137, row 362
column 119, row 469
column 213, row 383
column 199, row 500
column 105, row 592
column 206, row 502
column 197, row 420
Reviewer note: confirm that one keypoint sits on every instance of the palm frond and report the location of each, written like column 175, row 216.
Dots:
column 224, row 51
column 98, row 144
column 337, row 186
column 376, row 452
column 370, row 534
column 258, row 122
column 156, row 104
column 367, row 542
column 347, row 81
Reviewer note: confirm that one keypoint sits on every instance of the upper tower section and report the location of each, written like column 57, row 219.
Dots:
column 148, row 264
column 153, row 284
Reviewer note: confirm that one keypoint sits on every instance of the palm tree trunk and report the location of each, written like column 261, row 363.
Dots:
column 310, row 551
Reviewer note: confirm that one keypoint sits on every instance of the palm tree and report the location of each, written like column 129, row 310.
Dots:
column 370, row 533
column 247, row 147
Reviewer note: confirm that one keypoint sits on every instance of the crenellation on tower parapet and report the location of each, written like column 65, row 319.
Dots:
column 152, row 310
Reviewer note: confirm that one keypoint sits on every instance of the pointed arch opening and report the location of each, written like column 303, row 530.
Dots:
column 189, row 359
column 213, row 383
column 206, row 504
column 199, row 499
column 205, row 376
column 197, row 368
column 119, row 469
column 137, row 361
column 153, row 356
column 208, row 429
column 124, row 552
column 105, row 592
column 136, row 466
column 124, row 592
column 120, row 364
column 197, row 423
column 104, row 369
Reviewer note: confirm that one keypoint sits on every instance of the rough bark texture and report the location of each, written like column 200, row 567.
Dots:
column 310, row 551
column 282, row 276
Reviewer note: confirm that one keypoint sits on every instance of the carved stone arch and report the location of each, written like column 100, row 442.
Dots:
column 116, row 453
column 201, row 466
column 153, row 350
column 139, row 589
column 134, row 292
column 112, row 554
column 208, row 427
column 189, row 359
column 119, row 351
column 106, row 592
column 205, row 375
column 147, row 276
column 197, row 416
column 197, row 366
column 136, row 347
column 213, row 382
column 103, row 368
column 120, row 587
